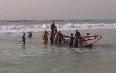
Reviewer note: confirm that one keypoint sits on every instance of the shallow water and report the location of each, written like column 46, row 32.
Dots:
column 35, row 57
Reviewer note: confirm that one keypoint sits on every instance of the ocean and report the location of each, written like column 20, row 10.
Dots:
column 35, row 57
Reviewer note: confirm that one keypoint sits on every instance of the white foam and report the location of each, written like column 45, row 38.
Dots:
column 42, row 27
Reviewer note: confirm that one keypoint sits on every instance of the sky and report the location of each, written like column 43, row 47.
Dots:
column 57, row 9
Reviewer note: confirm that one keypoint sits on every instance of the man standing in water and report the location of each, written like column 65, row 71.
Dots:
column 45, row 37
column 75, row 41
column 71, row 40
column 60, row 37
column 52, row 27
column 23, row 39
column 52, row 37
column 78, row 35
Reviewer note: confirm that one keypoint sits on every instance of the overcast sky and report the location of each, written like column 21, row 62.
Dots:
column 57, row 9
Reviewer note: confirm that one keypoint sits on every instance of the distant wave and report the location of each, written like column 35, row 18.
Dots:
column 42, row 27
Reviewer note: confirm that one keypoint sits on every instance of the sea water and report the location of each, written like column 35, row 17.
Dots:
column 34, row 57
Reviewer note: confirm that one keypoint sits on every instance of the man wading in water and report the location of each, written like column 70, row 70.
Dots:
column 23, row 39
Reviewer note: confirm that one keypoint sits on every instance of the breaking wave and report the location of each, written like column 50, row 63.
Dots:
column 41, row 27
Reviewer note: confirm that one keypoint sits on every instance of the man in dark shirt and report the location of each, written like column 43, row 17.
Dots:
column 78, row 35
column 71, row 40
column 52, row 37
column 23, row 39
column 60, row 37
column 52, row 27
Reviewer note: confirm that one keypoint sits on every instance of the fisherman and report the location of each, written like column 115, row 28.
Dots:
column 56, row 38
column 30, row 34
column 60, row 37
column 55, row 30
column 71, row 40
column 75, row 41
column 55, row 35
column 52, row 37
column 52, row 26
column 78, row 35
column 23, row 39
column 45, row 37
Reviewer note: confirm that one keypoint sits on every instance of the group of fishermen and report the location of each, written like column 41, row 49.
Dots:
column 74, row 41
column 56, row 37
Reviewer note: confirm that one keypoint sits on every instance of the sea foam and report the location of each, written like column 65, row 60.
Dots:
column 41, row 27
